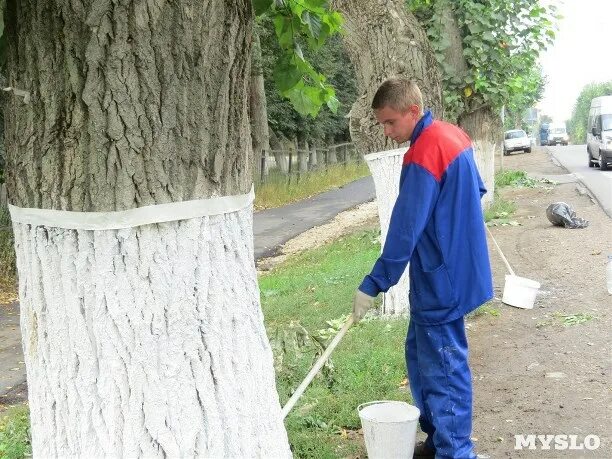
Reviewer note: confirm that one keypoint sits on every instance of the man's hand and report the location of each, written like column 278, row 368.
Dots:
column 361, row 304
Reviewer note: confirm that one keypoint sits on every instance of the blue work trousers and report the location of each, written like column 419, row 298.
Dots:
column 441, row 385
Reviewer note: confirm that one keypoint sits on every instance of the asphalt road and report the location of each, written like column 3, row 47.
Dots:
column 274, row 227
column 599, row 183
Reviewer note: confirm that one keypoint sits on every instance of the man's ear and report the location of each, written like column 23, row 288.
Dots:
column 415, row 110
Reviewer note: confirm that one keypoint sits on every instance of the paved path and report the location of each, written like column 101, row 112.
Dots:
column 272, row 228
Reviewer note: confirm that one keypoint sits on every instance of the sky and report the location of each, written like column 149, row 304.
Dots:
column 581, row 54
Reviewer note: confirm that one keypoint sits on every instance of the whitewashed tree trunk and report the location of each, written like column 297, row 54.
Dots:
column 303, row 154
column 312, row 158
column 144, row 342
column 280, row 158
column 386, row 168
column 147, row 342
column 484, row 156
column 332, row 157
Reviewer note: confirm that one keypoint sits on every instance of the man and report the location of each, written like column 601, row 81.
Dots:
column 437, row 225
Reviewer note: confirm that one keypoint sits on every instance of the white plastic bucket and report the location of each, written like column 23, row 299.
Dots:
column 389, row 428
column 520, row 292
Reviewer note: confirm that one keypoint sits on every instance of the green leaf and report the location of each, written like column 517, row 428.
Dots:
column 286, row 75
column 284, row 31
column 333, row 104
column 303, row 101
column 261, row 6
column 313, row 23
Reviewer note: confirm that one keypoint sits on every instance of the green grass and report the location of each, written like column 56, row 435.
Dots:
column 278, row 190
column 500, row 210
column 519, row 179
column 8, row 271
column 15, row 433
column 298, row 298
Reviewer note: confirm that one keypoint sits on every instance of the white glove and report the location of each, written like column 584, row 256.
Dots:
column 361, row 304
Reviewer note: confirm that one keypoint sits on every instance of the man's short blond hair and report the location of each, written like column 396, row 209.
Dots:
column 398, row 94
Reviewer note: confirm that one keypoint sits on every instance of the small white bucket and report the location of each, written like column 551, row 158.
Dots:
column 520, row 292
column 389, row 428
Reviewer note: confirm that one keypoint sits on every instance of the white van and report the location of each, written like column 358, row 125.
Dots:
column 599, row 132
column 557, row 134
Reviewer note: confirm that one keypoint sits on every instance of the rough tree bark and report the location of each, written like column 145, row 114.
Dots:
column 384, row 39
column 148, row 341
column 482, row 124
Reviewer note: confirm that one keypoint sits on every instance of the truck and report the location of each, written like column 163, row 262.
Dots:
column 544, row 130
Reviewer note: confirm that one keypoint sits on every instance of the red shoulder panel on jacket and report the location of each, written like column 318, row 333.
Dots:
column 437, row 146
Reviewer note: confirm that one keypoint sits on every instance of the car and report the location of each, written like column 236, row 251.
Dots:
column 599, row 132
column 516, row 140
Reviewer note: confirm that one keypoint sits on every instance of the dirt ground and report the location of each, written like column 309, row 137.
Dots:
column 532, row 374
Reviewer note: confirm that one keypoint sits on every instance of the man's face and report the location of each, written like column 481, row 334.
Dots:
column 398, row 125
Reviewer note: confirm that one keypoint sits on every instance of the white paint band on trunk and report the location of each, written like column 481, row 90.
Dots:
column 147, row 215
column 386, row 154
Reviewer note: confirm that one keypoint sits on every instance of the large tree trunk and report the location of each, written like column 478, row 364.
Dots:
column 384, row 39
column 482, row 124
column 146, row 341
column 258, row 113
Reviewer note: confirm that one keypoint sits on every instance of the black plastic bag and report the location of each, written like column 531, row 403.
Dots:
column 561, row 214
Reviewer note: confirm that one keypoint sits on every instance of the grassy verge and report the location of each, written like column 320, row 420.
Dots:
column 305, row 301
column 278, row 190
column 500, row 210
column 15, row 433
column 8, row 271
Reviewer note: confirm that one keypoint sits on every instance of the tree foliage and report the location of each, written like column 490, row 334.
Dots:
column 502, row 40
column 332, row 60
column 526, row 89
column 577, row 125
column 300, row 24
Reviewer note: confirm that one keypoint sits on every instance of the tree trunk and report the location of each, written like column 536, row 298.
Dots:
column 280, row 158
column 485, row 129
column 384, row 39
column 483, row 125
column 258, row 112
column 312, row 157
column 147, row 341
column 386, row 168
column 332, row 156
column 303, row 153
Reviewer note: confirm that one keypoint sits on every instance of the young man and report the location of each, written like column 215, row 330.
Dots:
column 437, row 225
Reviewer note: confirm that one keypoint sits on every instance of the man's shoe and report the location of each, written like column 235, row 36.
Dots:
column 424, row 451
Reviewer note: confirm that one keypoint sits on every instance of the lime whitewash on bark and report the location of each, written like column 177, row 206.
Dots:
column 148, row 341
